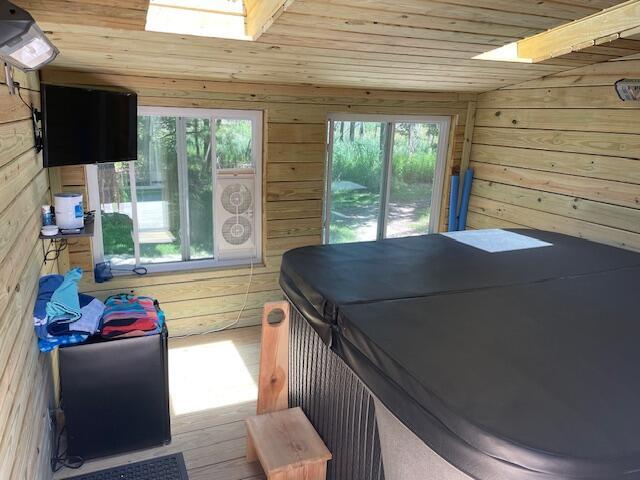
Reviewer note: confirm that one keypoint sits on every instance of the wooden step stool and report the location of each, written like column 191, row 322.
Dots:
column 287, row 446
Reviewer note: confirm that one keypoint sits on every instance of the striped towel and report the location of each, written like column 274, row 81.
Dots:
column 131, row 316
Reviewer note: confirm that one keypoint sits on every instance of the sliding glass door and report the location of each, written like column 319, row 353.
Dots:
column 384, row 176
column 354, row 201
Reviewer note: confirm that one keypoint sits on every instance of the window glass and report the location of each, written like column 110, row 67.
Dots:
column 157, row 191
column 415, row 154
column 200, row 179
column 356, row 176
column 160, row 209
column 380, row 190
column 233, row 144
column 116, row 213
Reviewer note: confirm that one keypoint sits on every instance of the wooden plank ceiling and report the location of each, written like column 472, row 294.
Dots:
column 400, row 44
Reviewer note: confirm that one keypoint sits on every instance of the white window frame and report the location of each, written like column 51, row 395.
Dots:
column 444, row 124
column 256, row 118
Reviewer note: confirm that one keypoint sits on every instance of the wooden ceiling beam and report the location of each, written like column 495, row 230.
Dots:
column 616, row 22
column 260, row 15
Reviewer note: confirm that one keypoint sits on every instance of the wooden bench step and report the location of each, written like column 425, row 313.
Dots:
column 287, row 446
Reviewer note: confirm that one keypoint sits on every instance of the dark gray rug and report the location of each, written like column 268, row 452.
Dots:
column 170, row 467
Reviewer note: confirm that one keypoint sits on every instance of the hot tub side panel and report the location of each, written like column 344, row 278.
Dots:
column 336, row 402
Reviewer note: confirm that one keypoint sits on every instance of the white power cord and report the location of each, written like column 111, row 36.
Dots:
column 232, row 324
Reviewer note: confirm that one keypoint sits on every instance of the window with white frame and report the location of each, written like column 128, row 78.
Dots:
column 193, row 197
column 384, row 176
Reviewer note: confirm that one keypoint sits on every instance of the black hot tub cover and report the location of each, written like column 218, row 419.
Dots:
column 515, row 365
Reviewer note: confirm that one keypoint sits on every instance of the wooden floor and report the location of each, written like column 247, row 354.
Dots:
column 213, row 385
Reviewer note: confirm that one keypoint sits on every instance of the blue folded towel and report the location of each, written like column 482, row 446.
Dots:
column 64, row 303
column 62, row 329
column 91, row 309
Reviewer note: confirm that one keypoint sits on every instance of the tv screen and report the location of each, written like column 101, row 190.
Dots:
column 84, row 126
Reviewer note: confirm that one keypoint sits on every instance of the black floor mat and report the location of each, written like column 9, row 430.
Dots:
column 170, row 467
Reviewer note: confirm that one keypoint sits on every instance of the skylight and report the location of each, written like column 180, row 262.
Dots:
column 204, row 18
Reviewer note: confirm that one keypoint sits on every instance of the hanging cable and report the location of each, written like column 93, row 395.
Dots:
column 232, row 324
column 52, row 254
column 139, row 270
column 35, row 118
column 62, row 460
column 20, row 96
column 17, row 84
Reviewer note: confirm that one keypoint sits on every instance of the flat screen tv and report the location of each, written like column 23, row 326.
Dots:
column 85, row 126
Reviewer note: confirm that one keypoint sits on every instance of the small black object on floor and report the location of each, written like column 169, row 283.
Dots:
column 170, row 467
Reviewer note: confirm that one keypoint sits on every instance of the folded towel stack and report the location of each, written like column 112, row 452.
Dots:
column 61, row 315
column 131, row 316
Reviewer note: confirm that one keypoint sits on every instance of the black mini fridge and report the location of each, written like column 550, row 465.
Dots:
column 115, row 395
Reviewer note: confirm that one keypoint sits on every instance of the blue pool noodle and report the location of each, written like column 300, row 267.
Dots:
column 464, row 204
column 453, row 203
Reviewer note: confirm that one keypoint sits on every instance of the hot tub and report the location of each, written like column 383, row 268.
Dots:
column 427, row 357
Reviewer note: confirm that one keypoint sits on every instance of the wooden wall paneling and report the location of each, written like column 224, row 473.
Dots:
column 17, row 174
column 479, row 221
column 186, row 277
column 305, row 190
column 452, row 167
column 603, row 120
column 28, row 201
column 557, row 223
column 294, row 152
column 586, row 97
column 221, row 304
column 16, row 137
column 605, row 167
column 23, row 375
column 296, row 227
column 597, row 212
column 561, row 153
column 32, row 439
column 205, row 323
column 73, row 176
column 201, row 289
column 25, row 380
column 468, row 137
column 15, row 111
column 277, row 246
column 618, row 193
column 13, row 263
column 296, row 133
column 592, row 143
column 281, row 172
column 56, row 186
column 72, row 179
column 294, row 209
column 600, row 74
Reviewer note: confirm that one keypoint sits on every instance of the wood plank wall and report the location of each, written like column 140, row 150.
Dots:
column 25, row 373
column 295, row 133
column 561, row 153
